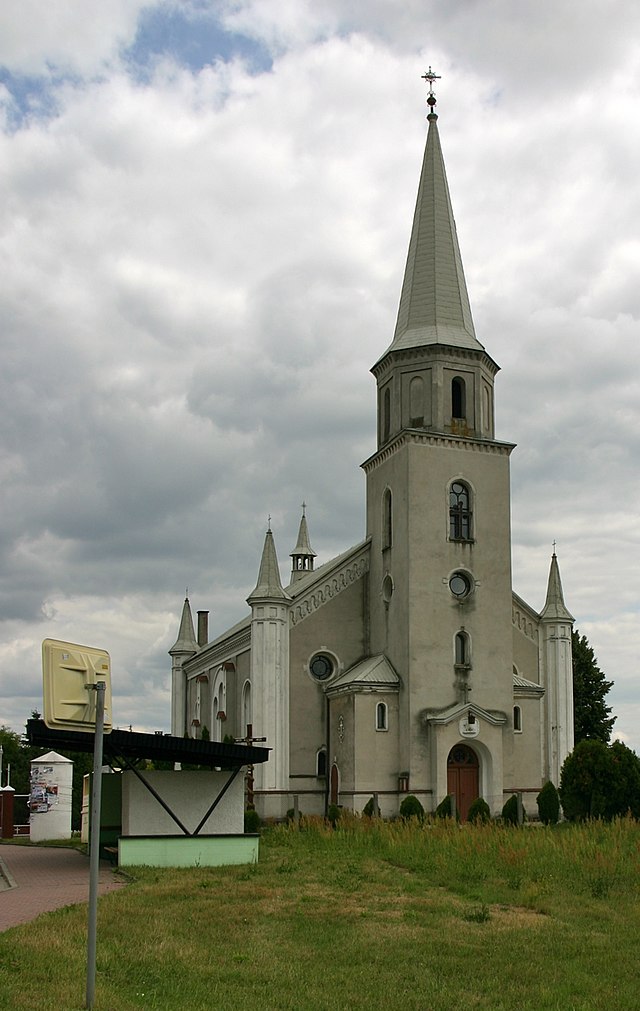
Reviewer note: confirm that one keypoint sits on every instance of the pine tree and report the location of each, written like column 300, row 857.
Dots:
column 592, row 716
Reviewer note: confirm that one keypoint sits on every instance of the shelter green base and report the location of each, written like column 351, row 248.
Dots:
column 187, row 851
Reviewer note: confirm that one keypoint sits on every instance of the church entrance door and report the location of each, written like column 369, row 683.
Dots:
column 463, row 776
column 334, row 785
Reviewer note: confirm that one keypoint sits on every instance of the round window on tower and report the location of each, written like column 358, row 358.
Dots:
column 460, row 585
column 321, row 666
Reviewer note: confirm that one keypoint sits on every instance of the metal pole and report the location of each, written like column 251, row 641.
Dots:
column 94, row 851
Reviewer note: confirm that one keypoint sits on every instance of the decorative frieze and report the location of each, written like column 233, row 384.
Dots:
column 339, row 580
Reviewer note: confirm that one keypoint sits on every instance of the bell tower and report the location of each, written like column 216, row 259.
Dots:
column 438, row 510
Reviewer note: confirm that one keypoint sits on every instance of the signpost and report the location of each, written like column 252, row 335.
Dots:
column 77, row 696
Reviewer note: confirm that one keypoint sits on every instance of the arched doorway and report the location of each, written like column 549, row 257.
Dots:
column 463, row 776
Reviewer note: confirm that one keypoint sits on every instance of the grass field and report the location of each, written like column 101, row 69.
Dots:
column 372, row 915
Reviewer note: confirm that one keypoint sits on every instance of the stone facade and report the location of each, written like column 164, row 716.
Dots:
column 407, row 664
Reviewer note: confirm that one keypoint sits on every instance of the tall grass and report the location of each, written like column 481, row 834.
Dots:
column 369, row 915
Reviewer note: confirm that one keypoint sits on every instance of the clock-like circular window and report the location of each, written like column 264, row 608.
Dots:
column 460, row 585
column 321, row 666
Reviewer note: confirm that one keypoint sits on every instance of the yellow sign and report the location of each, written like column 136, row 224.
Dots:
column 69, row 671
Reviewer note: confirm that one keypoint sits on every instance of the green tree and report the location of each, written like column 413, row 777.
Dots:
column 600, row 781
column 592, row 716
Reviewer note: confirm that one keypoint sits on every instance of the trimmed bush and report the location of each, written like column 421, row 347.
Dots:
column 548, row 803
column 369, row 808
column 445, row 809
column 510, row 811
column 333, row 814
column 251, row 821
column 411, row 808
column 479, row 811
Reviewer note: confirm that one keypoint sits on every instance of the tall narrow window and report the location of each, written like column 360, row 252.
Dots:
column 247, row 715
column 387, row 519
column 462, row 649
column 458, row 398
column 517, row 719
column 386, row 414
column 416, row 402
column 321, row 763
column 459, row 512
column 381, row 716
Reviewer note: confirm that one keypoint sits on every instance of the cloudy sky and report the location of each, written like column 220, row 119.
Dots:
column 205, row 209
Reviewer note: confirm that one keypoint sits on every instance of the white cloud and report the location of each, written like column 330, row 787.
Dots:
column 68, row 36
column 197, row 270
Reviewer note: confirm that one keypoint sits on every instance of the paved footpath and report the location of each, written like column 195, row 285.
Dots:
column 36, row 879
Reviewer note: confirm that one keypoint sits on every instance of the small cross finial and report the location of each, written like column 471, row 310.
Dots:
column 269, row 522
column 304, row 506
column 431, row 77
column 554, row 547
column 186, row 593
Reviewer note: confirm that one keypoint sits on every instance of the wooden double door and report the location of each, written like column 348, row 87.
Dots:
column 463, row 777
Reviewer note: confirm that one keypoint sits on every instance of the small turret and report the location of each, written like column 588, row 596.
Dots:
column 556, row 661
column 184, row 647
column 269, row 605
column 303, row 554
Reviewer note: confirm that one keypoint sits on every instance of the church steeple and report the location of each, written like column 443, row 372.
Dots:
column 434, row 304
column 435, row 375
column 303, row 554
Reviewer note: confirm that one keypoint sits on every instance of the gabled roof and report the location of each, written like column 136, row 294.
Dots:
column 434, row 304
column 373, row 673
column 458, row 710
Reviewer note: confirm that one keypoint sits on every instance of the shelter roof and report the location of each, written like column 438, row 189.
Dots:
column 164, row 747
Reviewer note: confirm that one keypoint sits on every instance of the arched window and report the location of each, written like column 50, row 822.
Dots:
column 416, row 402
column 517, row 719
column 387, row 519
column 462, row 649
column 458, row 398
column 459, row 512
column 247, row 714
column 381, row 716
column 386, row 414
column 321, row 763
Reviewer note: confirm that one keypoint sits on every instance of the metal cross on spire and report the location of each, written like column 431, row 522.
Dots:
column 431, row 77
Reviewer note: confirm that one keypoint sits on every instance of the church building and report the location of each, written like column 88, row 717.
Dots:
column 407, row 664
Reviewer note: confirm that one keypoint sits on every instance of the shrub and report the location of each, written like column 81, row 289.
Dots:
column 548, row 803
column 251, row 821
column 369, row 808
column 445, row 809
column 333, row 814
column 411, row 808
column 291, row 814
column 510, row 811
column 479, row 811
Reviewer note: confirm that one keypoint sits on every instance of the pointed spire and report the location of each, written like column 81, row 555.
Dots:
column 434, row 304
column 554, row 607
column 186, row 641
column 269, row 584
column 303, row 554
